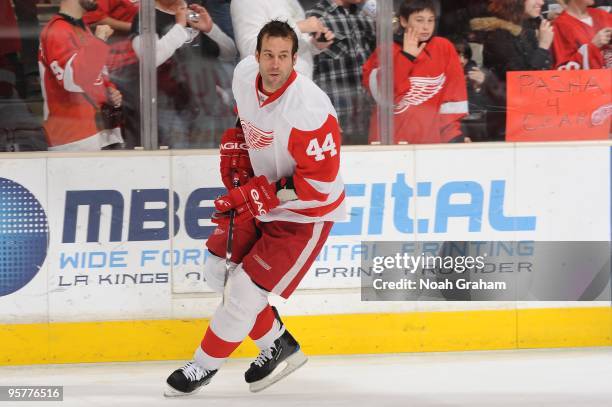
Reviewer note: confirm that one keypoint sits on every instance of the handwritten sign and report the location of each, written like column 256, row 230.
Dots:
column 559, row 105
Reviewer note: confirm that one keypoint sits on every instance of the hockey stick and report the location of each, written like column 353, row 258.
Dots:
column 228, row 246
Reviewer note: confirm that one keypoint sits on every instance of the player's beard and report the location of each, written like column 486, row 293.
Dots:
column 89, row 5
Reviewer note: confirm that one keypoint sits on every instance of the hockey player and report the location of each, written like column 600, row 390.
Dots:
column 286, row 155
column 582, row 39
column 429, row 89
column 79, row 98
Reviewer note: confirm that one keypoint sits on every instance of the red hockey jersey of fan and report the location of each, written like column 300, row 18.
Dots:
column 430, row 95
column 121, row 53
column 72, row 64
column 293, row 132
column 122, row 10
column 572, row 47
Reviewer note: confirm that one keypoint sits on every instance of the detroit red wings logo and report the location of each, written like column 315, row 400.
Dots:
column 421, row 90
column 257, row 139
column 599, row 116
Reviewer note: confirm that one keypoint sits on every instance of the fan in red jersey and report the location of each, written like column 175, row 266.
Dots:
column 80, row 102
column 118, row 14
column 582, row 37
column 429, row 89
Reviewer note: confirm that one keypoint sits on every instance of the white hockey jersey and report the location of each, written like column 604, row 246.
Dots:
column 293, row 132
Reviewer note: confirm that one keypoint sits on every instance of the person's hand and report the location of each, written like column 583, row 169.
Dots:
column 327, row 34
column 235, row 161
column 103, row 32
column 477, row 76
column 256, row 198
column 204, row 23
column 310, row 25
column 546, row 34
column 180, row 16
column 602, row 37
column 114, row 97
column 411, row 42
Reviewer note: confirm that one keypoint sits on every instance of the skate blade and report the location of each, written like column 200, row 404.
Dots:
column 293, row 362
column 172, row 392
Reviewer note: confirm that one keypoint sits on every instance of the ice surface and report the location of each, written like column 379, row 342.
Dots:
column 557, row 377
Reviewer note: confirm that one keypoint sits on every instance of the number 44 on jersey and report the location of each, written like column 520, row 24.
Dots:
column 318, row 152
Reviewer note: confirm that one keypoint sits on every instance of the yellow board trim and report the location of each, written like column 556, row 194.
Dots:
column 319, row 335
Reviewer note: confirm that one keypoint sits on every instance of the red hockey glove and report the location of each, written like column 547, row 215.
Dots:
column 234, row 158
column 220, row 218
column 256, row 198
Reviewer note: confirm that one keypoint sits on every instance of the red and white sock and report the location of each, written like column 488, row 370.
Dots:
column 267, row 329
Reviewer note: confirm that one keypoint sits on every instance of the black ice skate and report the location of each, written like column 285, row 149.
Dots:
column 187, row 380
column 274, row 363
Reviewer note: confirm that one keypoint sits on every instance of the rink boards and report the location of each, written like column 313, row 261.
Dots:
column 105, row 273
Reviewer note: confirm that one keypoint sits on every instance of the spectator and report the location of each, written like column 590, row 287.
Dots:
column 429, row 87
column 482, row 89
column 79, row 98
column 186, row 74
column 118, row 14
column 337, row 70
column 582, row 39
column 249, row 16
column 516, row 41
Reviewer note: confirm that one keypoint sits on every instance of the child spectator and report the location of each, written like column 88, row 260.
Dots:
column 483, row 89
column 429, row 87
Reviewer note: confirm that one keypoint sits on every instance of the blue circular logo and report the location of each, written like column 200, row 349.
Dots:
column 24, row 236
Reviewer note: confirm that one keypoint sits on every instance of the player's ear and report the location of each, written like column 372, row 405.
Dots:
column 257, row 56
column 294, row 58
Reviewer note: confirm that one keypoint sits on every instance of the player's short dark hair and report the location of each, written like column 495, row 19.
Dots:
column 277, row 28
column 409, row 7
